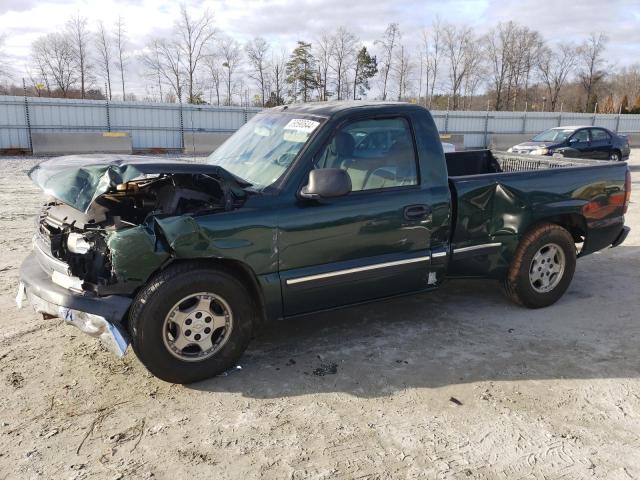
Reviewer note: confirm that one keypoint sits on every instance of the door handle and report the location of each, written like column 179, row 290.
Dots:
column 417, row 212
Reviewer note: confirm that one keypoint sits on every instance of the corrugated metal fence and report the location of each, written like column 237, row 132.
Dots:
column 151, row 125
column 162, row 125
column 477, row 127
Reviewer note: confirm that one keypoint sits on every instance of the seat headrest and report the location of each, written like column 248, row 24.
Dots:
column 401, row 144
column 345, row 144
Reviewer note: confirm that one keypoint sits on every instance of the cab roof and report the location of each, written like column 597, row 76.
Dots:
column 328, row 109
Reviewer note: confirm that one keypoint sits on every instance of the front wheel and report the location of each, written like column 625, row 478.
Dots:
column 191, row 323
column 542, row 267
column 614, row 156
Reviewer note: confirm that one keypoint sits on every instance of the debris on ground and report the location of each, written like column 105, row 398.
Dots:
column 455, row 401
column 230, row 371
column 15, row 379
column 326, row 369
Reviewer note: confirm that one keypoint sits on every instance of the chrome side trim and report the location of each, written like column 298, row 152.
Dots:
column 319, row 276
column 439, row 254
column 477, row 247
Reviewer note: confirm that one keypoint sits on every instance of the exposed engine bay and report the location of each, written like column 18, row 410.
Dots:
column 80, row 239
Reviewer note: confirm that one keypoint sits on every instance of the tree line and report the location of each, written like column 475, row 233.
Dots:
column 450, row 66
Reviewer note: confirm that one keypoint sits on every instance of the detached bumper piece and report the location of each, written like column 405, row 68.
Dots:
column 98, row 317
column 622, row 237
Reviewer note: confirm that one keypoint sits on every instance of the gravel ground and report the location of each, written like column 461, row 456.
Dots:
column 453, row 384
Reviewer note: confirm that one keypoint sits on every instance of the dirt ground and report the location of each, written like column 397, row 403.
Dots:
column 455, row 384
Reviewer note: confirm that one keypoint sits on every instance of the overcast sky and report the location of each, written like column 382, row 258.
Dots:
column 285, row 21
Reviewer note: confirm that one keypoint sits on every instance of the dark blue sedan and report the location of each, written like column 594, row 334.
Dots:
column 581, row 141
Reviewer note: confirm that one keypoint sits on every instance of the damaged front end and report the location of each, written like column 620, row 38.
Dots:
column 100, row 238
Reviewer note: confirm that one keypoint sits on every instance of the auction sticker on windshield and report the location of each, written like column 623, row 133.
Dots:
column 302, row 125
column 299, row 129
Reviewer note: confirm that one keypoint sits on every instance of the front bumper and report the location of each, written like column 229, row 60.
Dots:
column 99, row 317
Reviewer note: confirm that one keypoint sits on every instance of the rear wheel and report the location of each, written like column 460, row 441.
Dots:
column 542, row 267
column 191, row 323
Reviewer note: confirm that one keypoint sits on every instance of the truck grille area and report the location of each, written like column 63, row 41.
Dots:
column 50, row 246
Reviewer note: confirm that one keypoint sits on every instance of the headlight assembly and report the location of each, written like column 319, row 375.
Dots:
column 76, row 243
column 540, row 151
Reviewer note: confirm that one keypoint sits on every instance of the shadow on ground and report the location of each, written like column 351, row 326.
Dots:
column 466, row 332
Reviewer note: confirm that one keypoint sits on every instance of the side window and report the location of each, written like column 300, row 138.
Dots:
column 582, row 135
column 376, row 153
column 599, row 135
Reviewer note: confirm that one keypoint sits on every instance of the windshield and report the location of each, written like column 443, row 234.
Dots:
column 262, row 149
column 553, row 135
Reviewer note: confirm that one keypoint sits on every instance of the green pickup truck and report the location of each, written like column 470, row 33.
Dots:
column 305, row 208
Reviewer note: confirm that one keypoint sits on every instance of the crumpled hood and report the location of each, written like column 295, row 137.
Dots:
column 78, row 180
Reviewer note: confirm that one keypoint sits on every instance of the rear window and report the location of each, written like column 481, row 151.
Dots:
column 598, row 134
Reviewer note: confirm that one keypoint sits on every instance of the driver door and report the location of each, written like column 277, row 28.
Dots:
column 371, row 243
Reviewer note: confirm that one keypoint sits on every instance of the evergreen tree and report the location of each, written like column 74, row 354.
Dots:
column 301, row 72
column 366, row 68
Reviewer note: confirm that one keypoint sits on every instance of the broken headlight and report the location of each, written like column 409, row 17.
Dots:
column 76, row 243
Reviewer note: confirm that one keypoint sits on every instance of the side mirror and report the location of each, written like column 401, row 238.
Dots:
column 327, row 183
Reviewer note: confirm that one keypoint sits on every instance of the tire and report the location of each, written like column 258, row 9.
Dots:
column 154, row 334
column 525, row 279
column 615, row 156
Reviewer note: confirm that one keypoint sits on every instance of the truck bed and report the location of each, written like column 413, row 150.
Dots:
column 480, row 162
column 495, row 195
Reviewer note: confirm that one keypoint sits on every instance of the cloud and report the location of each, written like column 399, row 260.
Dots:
column 283, row 22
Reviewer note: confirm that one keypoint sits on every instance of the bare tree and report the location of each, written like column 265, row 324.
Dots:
column 323, row 55
column 343, row 56
column 103, row 45
column 498, row 45
column 257, row 55
column 626, row 87
column 214, row 72
column 511, row 51
column 79, row 39
column 152, row 61
column 402, row 70
column 456, row 42
column 231, row 57
column 432, row 45
column 163, row 59
column 54, row 54
column 40, row 78
column 474, row 72
column 195, row 36
column 121, row 44
column 4, row 64
column 388, row 43
column 529, row 46
column 591, row 60
column 555, row 66
column 279, row 78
